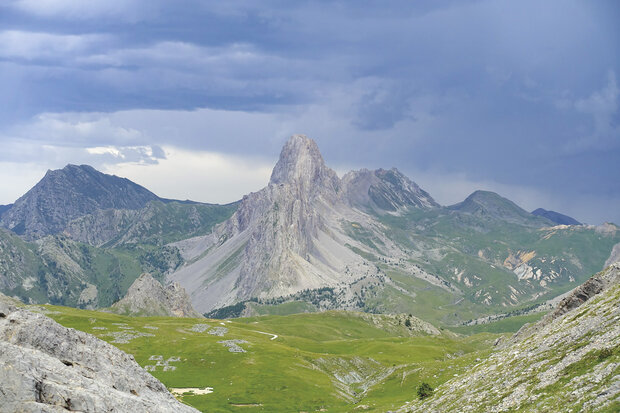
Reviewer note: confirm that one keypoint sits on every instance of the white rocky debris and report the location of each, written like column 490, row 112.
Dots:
column 233, row 345
column 218, row 331
column 200, row 328
column 160, row 362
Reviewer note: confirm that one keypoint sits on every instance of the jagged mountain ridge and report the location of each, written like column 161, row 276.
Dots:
column 282, row 239
column 69, row 193
column 371, row 241
column 309, row 230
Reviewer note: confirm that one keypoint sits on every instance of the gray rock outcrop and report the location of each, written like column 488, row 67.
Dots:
column 45, row 367
column 614, row 256
column 147, row 297
column 595, row 285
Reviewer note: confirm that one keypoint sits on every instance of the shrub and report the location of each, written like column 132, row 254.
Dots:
column 424, row 391
column 605, row 353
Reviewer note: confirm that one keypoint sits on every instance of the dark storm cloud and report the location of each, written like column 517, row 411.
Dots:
column 523, row 93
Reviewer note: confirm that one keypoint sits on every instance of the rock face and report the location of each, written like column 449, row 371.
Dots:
column 45, row 367
column 66, row 194
column 157, row 224
column 614, row 256
column 568, row 361
column 595, row 285
column 147, row 297
column 556, row 217
column 385, row 190
column 291, row 235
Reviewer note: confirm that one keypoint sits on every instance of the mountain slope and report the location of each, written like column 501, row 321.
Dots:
column 556, row 217
column 4, row 208
column 65, row 194
column 569, row 361
column 158, row 223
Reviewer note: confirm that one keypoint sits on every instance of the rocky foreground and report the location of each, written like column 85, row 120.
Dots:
column 569, row 361
column 45, row 367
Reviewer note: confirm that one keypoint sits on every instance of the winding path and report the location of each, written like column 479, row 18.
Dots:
column 274, row 336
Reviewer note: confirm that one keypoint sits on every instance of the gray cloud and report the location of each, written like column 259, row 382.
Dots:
column 509, row 92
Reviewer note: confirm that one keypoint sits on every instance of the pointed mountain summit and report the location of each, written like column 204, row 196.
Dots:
column 282, row 239
column 65, row 194
column 298, row 233
column 301, row 163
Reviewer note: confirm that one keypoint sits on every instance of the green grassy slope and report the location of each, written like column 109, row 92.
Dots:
column 335, row 361
column 480, row 254
column 162, row 223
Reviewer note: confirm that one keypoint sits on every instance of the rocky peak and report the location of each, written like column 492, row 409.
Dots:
column 69, row 193
column 385, row 190
column 147, row 297
column 301, row 163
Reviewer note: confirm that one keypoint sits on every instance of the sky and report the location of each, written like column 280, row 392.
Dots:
column 194, row 99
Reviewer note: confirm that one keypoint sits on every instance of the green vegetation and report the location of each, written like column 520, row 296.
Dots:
column 472, row 250
column 58, row 269
column 161, row 223
column 332, row 360
column 424, row 391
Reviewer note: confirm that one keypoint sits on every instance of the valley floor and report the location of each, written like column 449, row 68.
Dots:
column 332, row 361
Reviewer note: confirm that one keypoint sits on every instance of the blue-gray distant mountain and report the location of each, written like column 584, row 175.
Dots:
column 66, row 194
column 491, row 206
column 4, row 208
column 556, row 217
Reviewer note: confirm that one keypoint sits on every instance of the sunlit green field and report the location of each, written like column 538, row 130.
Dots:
column 333, row 361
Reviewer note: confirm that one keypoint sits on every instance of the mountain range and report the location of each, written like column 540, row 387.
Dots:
column 371, row 241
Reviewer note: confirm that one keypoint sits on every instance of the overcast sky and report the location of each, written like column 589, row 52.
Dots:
column 193, row 99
